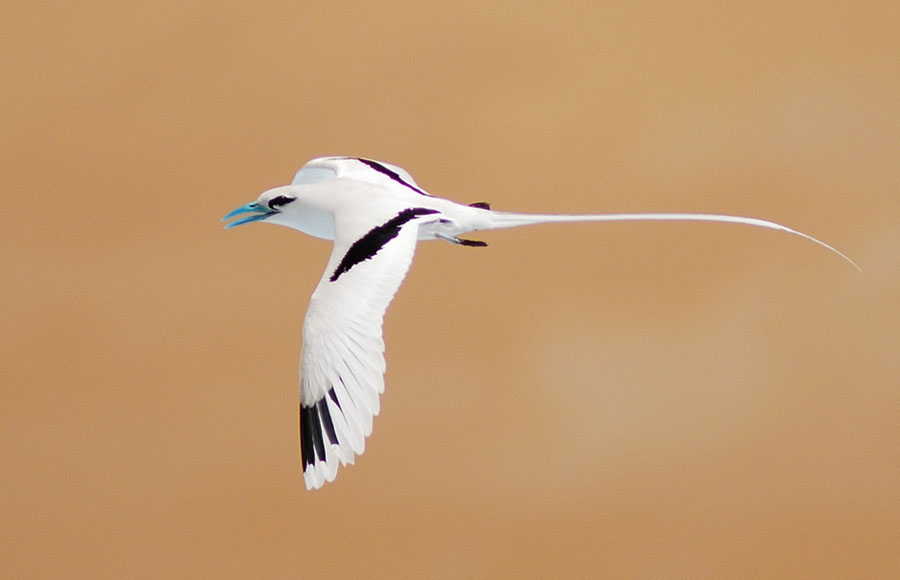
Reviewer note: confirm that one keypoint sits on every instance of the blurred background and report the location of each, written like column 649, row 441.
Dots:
column 618, row 400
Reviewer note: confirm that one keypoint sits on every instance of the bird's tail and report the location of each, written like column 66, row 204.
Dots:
column 511, row 220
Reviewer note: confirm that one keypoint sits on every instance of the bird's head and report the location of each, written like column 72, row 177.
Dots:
column 308, row 203
column 268, row 206
column 288, row 206
column 295, row 205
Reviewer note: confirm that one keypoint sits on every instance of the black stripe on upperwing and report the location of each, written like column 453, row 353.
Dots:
column 390, row 173
column 367, row 246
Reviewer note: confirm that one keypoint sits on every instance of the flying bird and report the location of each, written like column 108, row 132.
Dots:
column 376, row 213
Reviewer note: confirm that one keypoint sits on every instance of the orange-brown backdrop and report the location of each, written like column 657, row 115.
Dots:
column 619, row 401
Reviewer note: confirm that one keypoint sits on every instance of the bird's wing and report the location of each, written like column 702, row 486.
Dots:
column 360, row 169
column 342, row 360
column 372, row 171
column 306, row 175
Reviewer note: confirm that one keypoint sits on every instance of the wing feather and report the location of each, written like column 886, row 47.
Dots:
column 342, row 361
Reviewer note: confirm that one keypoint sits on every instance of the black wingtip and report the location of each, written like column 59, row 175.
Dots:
column 472, row 243
column 315, row 425
column 480, row 205
column 307, row 451
column 325, row 419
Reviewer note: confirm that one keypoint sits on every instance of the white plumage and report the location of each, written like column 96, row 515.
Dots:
column 375, row 213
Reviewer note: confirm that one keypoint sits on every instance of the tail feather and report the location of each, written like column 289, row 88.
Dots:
column 511, row 220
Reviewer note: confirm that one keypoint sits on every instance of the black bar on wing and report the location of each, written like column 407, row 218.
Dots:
column 367, row 246
column 390, row 173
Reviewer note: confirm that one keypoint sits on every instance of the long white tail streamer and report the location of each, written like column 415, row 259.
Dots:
column 508, row 220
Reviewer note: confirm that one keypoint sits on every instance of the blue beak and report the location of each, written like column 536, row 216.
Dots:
column 259, row 213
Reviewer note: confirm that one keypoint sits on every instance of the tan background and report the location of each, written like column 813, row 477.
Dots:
column 619, row 401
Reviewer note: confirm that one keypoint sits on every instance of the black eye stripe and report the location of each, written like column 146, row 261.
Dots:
column 279, row 201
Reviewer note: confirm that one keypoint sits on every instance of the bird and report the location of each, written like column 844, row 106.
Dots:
column 375, row 214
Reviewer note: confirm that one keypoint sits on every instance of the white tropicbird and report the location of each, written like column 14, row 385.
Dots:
column 375, row 213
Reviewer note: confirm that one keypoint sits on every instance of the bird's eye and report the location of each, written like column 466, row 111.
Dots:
column 279, row 201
